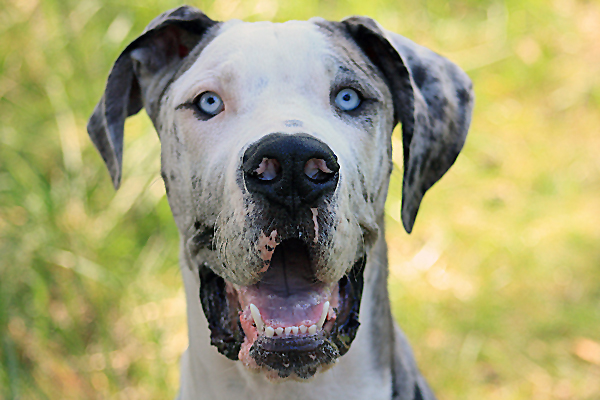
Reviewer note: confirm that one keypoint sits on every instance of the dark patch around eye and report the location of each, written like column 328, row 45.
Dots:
column 193, row 105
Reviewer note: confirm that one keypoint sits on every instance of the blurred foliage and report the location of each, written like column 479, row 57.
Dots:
column 498, row 287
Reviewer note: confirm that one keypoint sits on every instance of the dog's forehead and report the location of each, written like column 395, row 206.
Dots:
column 298, row 38
column 249, row 56
column 266, row 45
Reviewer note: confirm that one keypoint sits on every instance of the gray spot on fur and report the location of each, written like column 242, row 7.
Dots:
column 293, row 123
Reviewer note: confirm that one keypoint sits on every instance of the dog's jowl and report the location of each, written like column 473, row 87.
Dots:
column 276, row 158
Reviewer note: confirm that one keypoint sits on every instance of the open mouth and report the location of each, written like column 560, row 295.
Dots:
column 289, row 323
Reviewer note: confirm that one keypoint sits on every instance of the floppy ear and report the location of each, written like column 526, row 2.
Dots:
column 140, row 75
column 433, row 99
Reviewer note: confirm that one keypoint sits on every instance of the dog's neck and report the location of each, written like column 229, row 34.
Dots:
column 365, row 372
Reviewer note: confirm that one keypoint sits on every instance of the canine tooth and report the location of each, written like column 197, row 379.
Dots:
column 323, row 315
column 294, row 330
column 302, row 328
column 279, row 331
column 288, row 330
column 312, row 330
column 330, row 313
column 260, row 325
column 269, row 332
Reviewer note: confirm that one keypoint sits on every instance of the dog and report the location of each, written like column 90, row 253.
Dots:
column 276, row 159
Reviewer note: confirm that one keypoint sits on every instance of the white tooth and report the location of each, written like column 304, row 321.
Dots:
column 288, row 330
column 323, row 315
column 330, row 313
column 294, row 330
column 279, row 331
column 312, row 330
column 260, row 325
column 269, row 332
column 302, row 329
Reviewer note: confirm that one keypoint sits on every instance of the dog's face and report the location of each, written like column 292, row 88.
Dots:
column 276, row 156
column 272, row 166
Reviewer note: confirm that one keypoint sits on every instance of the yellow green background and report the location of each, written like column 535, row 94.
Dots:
column 497, row 288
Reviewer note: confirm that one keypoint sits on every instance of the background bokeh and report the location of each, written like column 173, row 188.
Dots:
column 497, row 288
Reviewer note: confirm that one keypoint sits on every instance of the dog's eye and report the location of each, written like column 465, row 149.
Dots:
column 210, row 103
column 347, row 99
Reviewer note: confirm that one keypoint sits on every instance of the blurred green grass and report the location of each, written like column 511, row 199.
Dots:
column 498, row 287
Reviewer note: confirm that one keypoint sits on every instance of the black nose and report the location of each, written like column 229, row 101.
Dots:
column 290, row 169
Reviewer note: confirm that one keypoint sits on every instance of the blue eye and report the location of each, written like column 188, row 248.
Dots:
column 210, row 103
column 347, row 99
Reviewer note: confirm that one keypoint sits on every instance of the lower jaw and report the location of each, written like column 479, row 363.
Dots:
column 296, row 358
column 281, row 358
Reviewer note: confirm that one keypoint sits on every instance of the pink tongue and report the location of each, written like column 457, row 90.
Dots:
column 301, row 308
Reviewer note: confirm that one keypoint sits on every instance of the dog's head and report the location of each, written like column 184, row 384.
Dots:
column 276, row 157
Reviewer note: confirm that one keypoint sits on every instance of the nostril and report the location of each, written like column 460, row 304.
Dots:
column 268, row 169
column 316, row 169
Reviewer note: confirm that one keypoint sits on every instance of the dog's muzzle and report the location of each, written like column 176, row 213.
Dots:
column 289, row 322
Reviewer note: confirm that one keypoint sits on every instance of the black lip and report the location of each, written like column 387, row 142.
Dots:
column 301, row 356
column 286, row 356
column 225, row 328
column 347, row 322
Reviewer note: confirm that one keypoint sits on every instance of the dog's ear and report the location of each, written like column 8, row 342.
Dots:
column 433, row 99
column 140, row 75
